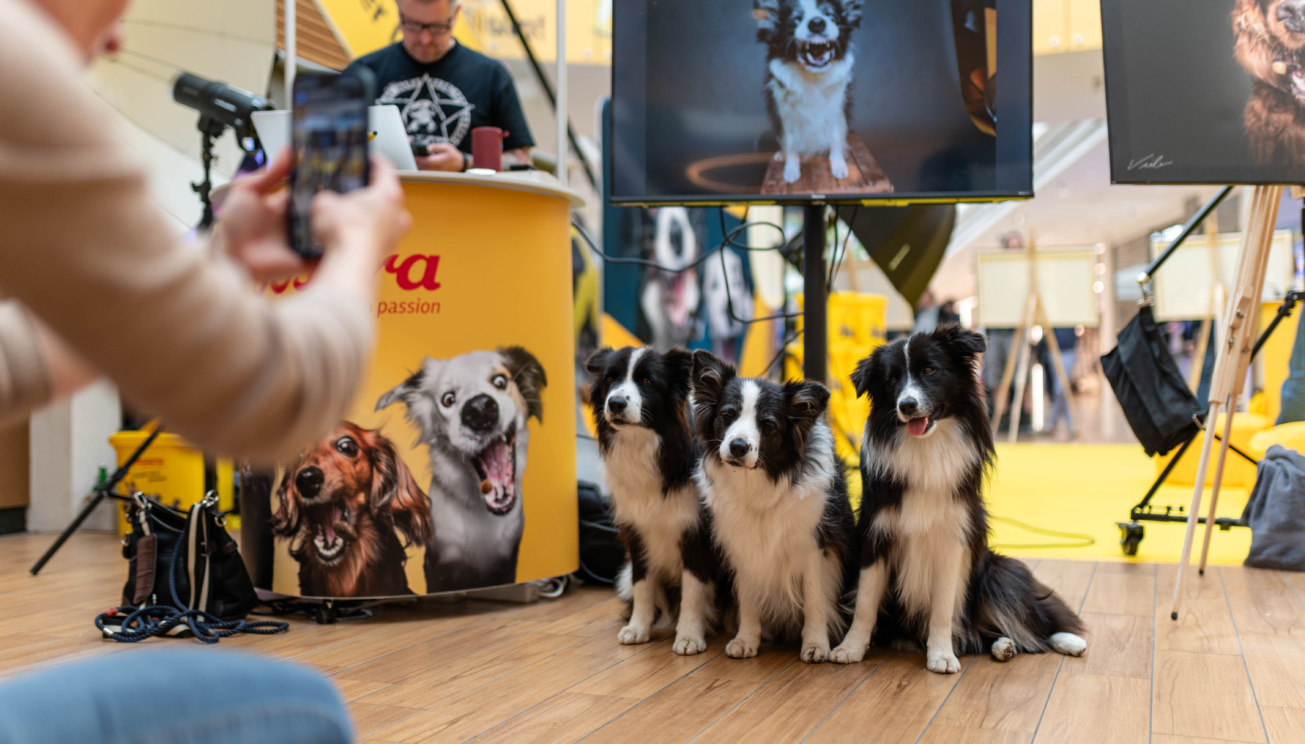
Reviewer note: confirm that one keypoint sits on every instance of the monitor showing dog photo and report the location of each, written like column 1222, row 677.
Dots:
column 1205, row 91
column 839, row 100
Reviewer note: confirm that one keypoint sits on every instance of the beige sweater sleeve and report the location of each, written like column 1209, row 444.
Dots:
column 84, row 248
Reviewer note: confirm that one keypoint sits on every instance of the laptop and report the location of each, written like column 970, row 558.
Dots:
column 389, row 137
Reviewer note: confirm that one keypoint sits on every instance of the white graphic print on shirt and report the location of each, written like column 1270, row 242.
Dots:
column 434, row 110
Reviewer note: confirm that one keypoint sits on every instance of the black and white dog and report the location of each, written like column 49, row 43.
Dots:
column 472, row 412
column 779, row 507
column 927, row 576
column 809, row 63
column 640, row 401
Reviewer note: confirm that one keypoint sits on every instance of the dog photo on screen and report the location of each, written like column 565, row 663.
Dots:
column 343, row 505
column 472, row 413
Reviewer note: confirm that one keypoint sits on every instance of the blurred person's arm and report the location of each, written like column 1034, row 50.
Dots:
column 443, row 157
column 85, row 249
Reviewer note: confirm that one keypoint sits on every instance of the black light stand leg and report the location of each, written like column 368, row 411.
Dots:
column 101, row 491
column 209, row 129
column 815, row 328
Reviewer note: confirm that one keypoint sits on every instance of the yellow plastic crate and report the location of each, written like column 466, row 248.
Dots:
column 171, row 470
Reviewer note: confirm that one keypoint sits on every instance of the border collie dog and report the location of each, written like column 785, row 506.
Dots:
column 779, row 507
column 809, row 63
column 640, row 401
column 927, row 576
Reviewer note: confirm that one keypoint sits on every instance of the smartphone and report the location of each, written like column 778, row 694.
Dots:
column 329, row 138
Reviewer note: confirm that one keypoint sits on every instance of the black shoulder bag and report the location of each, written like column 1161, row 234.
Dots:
column 184, row 575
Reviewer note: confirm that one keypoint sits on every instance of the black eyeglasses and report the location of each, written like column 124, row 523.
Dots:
column 436, row 29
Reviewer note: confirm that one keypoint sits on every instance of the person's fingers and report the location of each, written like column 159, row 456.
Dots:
column 271, row 176
column 278, row 203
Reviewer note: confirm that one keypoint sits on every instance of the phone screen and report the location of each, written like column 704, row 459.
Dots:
column 329, row 137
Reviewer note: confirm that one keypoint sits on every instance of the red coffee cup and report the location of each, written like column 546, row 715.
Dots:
column 487, row 147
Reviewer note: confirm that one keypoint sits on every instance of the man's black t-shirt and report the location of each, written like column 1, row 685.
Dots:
column 443, row 101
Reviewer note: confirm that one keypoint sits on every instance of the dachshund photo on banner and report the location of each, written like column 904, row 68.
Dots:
column 350, row 508
column 472, row 413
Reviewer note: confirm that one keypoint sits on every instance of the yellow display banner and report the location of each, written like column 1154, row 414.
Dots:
column 455, row 468
column 368, row 25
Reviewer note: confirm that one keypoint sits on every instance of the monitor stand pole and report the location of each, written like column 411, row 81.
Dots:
column 815, row 296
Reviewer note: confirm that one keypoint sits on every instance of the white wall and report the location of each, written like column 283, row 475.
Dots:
column 69, row 441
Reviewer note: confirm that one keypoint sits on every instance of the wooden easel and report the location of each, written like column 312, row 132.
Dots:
column 1240, row 322
column 1034, row 314
column 1218, row 299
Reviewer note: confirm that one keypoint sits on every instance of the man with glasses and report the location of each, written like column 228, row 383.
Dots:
column 445, row 90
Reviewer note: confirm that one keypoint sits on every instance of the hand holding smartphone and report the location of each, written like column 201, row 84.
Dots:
column 329, row 145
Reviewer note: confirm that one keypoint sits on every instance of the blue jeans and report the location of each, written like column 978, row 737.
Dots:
column 1293, row 388
column 195, row 696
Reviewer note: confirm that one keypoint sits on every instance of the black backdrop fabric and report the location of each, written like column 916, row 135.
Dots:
column 1176, row 96
column 705, row 73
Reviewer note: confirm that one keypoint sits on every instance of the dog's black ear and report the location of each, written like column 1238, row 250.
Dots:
column 528, row 374
column 404, row 390
column 710, row 375
column 679, row 371
column 969, row 343
column 597, row 362
column 285, row 520
column 852, row 13
column 767, row 14
column 807, row 401
column 395, row 493
column 861, row 375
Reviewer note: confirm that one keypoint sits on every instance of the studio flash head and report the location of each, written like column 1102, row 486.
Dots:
column 220, row 102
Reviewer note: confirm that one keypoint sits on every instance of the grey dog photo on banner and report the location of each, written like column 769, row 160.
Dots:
column 472, row 413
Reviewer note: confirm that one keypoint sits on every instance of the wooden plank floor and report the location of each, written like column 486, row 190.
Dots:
column 1231, row 669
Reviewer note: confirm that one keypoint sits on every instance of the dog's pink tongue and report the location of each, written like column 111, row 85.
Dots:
column 328, row 530
column 916, row 427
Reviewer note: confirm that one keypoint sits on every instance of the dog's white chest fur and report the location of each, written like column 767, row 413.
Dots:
column 767, row 530
column 931, row 520
column 811, row 105
column 631, row 471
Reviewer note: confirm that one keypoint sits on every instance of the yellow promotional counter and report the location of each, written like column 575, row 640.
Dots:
column 455, row 468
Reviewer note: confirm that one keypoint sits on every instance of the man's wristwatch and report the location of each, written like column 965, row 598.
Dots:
column 466, row 161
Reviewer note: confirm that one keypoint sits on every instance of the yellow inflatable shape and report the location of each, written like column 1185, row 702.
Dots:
column 1236, row 472
column 1291, row 436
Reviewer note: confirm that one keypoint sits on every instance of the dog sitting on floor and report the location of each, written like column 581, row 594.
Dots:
column 778, row 501
column 927, row 575
column 640, row 402
column 341, row 504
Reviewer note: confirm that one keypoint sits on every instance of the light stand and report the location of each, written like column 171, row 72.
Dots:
column 209, row 129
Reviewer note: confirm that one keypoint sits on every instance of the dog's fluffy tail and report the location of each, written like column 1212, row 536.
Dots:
column 666, row 606
column 1008, row 601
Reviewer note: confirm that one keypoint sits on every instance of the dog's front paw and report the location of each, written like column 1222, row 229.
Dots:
column 838, row 167
column 846, row 654
column 1068, row 644
column 942, row 662
column 792, row 170
column 1003, row 649
column 631, row 635
column 689, row 645
column 741, row 649
column 815, row 652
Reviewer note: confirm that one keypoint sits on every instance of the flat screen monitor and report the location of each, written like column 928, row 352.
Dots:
column 1205, row 91
column 793, row 101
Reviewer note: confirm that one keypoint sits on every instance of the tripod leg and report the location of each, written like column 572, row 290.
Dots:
column 1194, row 512
column 1021, row 378
column 63, row 537
column 1218, row 481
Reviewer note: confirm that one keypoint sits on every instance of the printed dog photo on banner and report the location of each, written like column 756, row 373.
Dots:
column 349, row 508
column 1205, row 91
column 472, row 414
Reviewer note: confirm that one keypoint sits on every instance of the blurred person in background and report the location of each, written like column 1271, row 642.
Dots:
column 444, row 90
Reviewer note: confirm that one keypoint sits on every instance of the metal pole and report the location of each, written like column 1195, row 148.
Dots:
column 560, row 108
column 815, row 295
column 290, row 9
